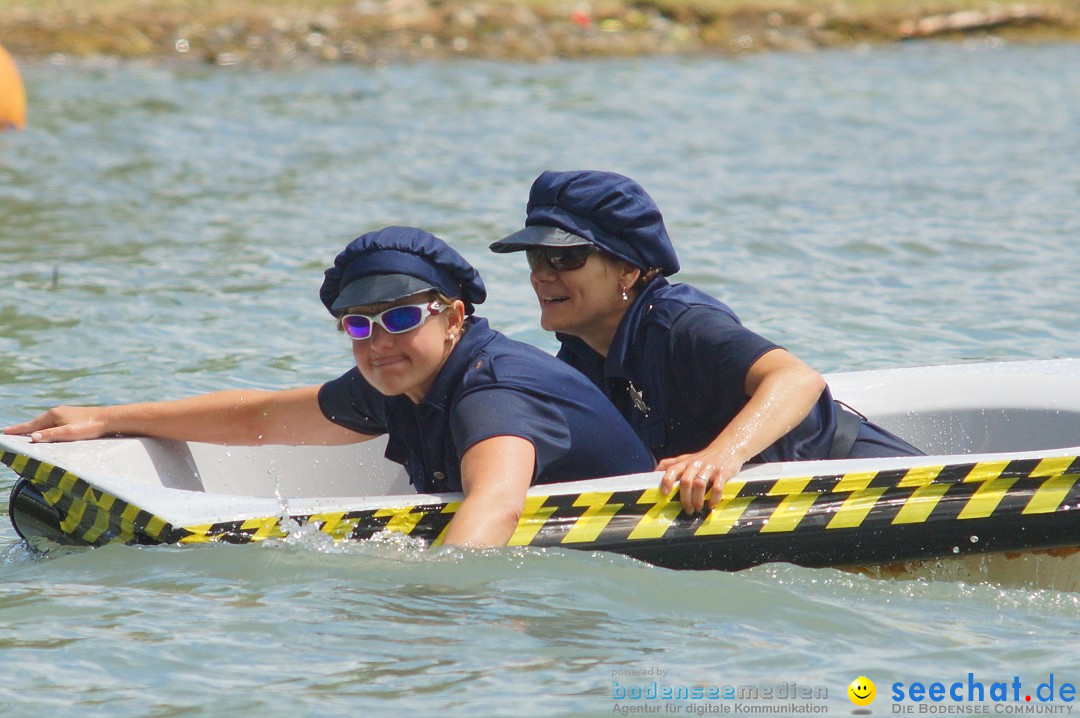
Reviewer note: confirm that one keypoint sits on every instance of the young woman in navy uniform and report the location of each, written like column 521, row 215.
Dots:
column 703, row 392
column 464, row 408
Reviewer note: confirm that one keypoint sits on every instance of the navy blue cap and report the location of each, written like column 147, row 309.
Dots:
column 397, row 262
column 609, row 210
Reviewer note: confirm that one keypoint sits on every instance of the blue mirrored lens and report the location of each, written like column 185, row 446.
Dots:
column 357, row 327
column 402, row 319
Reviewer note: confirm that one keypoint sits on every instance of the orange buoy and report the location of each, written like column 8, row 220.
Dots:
column 12, row 95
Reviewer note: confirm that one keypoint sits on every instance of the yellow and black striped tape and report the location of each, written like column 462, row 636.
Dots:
column 871, row 503
column 88, row 515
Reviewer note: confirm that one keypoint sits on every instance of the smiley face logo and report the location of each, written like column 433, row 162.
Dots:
column 862, row 691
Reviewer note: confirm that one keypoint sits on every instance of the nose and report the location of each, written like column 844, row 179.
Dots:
column 380, row 337
column 543, row 273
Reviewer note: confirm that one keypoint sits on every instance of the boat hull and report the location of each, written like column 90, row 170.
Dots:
column 857, row 517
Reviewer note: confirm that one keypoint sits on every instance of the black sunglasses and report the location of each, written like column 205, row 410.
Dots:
column 560, row 259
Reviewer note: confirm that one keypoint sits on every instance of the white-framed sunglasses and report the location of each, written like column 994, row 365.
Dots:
column 395, row 320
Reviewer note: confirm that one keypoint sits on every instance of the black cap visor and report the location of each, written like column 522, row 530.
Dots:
column 537, row 235
column 378, row 289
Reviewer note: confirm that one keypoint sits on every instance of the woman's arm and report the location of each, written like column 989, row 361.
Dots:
column 495, row 474
column 238, row 417
column 782, row 390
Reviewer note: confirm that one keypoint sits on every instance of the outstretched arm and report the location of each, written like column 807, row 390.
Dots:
column 782, row 391
column 238, row 417
column 495, row 474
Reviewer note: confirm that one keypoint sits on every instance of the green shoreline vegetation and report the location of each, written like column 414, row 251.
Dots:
column 276, row 32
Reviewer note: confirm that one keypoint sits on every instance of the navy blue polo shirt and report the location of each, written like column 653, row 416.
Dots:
column 492, row 386
column 677, row 370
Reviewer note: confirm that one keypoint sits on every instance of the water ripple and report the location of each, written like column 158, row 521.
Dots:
column 165, row 230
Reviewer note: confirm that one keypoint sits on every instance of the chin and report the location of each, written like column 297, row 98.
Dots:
column 386, row 386
column 553, row 317
column 550, row 324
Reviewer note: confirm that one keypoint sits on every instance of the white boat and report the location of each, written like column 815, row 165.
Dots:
column 1000, row 479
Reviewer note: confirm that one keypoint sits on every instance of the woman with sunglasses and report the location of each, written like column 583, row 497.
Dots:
column 464, row 408
column 705, row 394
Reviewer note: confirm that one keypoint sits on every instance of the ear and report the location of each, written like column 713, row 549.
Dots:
column 455, row 317
column 628, row 274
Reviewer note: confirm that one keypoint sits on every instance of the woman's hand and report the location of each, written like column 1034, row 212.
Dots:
column 695, row 473
column 64, row 423
column 247, row 417
column 780, row 391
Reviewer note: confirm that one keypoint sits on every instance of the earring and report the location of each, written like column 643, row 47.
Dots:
column 624, row 297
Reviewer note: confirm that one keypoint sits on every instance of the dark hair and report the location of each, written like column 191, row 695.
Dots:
column 643, row 280
column 646, row 278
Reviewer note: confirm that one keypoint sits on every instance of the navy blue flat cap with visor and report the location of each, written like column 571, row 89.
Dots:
column 609, row 210
column 397, row 262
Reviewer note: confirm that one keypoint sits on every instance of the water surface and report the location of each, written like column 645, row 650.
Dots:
column 164, row 232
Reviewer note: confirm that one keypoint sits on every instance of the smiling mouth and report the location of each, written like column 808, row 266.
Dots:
column 546, row 301
column 860, row 696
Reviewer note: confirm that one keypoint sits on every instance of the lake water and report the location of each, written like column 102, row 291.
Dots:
column 163, row 231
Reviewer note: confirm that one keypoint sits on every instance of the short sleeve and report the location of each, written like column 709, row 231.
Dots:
column 500, row 410
column 351, row 402
column 713, row 354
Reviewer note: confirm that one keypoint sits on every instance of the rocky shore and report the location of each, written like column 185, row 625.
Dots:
column 273, row 33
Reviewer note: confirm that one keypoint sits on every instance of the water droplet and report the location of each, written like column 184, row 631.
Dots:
column 974, row 539
column 956, row 549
